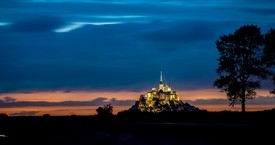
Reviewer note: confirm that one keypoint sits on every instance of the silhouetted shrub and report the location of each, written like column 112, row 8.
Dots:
column 106, row 110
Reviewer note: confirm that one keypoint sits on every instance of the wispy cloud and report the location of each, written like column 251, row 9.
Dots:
column 5, row 23
column 70, row 27
column 77, row 25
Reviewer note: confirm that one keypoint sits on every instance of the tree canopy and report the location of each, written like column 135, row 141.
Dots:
column 269, row 53
column 240, row 68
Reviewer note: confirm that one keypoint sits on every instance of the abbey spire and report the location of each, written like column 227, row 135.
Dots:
column 161, row 79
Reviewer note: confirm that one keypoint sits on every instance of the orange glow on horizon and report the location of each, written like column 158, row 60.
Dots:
column 59, row 96
column 91, row 110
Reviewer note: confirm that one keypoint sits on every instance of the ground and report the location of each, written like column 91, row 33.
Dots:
column 140, row 129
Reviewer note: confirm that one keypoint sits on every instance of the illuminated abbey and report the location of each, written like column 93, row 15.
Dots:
column 161, row 99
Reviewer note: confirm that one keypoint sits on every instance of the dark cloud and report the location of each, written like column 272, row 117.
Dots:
column 37, row 24
column 85, row 11
column 261, row 11
column 116, row 102
column 96, row 102
column 109, row 57
column 174, row 37
column 208, row 101
column 5, row 3
column 268, row 100
column 77, row 60
column 259, row 2
column 262, row 100
column 9, row 99
column 182, row 32
column 24, row 113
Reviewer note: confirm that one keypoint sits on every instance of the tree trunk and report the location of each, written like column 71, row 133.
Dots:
column 243, row 100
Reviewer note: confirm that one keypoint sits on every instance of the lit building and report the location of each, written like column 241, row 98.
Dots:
column 160, row 99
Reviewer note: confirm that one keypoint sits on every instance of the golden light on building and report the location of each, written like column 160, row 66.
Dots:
column 160, row 99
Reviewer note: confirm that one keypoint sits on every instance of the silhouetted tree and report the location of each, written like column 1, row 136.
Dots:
column 240, row 67
column 106, row 110
column 3, row 115
column 269, row 53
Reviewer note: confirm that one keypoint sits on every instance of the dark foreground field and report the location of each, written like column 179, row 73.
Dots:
column 203, row 128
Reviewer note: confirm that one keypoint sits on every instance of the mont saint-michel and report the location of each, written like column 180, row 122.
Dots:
column 162, row 99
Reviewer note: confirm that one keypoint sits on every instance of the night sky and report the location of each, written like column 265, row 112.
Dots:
column 114, row 45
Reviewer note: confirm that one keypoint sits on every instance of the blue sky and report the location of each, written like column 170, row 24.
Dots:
column 52, row 45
